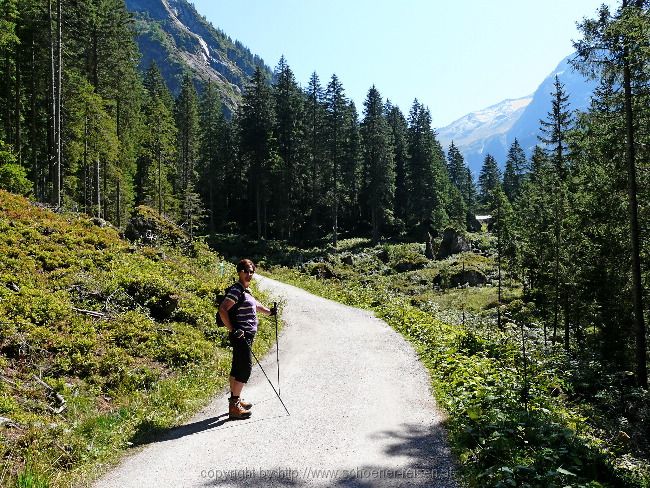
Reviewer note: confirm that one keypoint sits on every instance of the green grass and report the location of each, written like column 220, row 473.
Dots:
column 124, row 332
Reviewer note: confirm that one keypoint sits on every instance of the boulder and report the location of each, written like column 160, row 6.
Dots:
column 453, row 242
column 470, row 276
column 383, row 256
column 322, row 271
column 149, row 228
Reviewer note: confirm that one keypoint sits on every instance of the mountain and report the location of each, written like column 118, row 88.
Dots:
column 485, row 131
column 178, row 39
column 494, row 129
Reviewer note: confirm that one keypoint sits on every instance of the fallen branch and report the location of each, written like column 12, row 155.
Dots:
column 10, row 423
column 92, row 313
column 8, row 381
column 52, row 395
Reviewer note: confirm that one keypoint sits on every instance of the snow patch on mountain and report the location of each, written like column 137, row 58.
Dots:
column 474, row 128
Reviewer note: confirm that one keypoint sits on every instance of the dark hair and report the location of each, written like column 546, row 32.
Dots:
column 244, row 264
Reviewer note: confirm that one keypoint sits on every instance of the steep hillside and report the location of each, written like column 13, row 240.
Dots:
column 174, row 35
column 103, row 342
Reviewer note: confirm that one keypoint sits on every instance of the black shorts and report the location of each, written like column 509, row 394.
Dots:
column 242, row 360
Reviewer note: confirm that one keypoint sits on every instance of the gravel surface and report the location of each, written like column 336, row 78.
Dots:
column 361, row 414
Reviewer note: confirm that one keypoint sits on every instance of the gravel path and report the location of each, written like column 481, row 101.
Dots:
column 361, row 410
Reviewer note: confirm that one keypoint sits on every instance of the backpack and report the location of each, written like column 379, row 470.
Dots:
column 233, row 310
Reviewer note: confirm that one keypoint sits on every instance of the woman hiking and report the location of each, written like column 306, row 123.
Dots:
column 242, row 326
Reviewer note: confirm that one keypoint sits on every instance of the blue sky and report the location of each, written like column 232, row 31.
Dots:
column 453, row 56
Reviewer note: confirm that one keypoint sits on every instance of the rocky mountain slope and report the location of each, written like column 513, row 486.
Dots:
column 178, row 39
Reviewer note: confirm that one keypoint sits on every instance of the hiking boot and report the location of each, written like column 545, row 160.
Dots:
column 245, row 404
column 236, row 411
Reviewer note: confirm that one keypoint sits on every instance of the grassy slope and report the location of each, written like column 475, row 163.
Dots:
column 151, row 358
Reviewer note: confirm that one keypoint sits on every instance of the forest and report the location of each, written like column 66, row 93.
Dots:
column 82, row 130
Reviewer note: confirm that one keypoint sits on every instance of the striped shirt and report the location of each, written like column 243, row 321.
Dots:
column 246, row 316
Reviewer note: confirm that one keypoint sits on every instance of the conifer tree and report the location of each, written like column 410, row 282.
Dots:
column 616, row 47
column 90, row 147
column 289, row 133
column 515, row 170
column 256, row 120
column 379, row 162
column 456, row 166
column 336, row 105
column 535, row 217
column 399, row 128
column 489, row 178
column 426, row 170
column 470, row 195
column 502, row 227
column 554, row 136
column 314, row 124
column 158, row 156
column 9, row 50
column 213, row 170
column 186, row 114
column 554, row 129
column 351, row 172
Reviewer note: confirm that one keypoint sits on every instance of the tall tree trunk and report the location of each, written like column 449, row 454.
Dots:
column 258, row 209
column 499, row 244
column 59, row 89
column 641, row 354
column 18, row 143
column 160, row 204
column 104, row 192
column 55, row 197
column 85, row 163
column 567, row 323
column 98, row 200
column 118, row 204
column 556, row 272
column 375, row 225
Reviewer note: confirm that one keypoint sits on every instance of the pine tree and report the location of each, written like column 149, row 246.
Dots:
column 336, row 105
column 489, row 178
column 535, row 217
column 213, row 170
column 615, row 47
column 289, row 184
column 502, row 228
column 314, row 124
column 554, row 129
column 351, row 172
column 256, row 120
column 186, row 115
column 554, row 136
column 379, row 162
column 515, row 170
column 9, row 43
column 90, row 146
column 456, row 167
column 399, row 129
column 426, row 170
column 158, row 156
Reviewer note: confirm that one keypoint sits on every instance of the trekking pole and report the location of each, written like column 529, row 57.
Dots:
column 267, row 378
column 277, row 345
